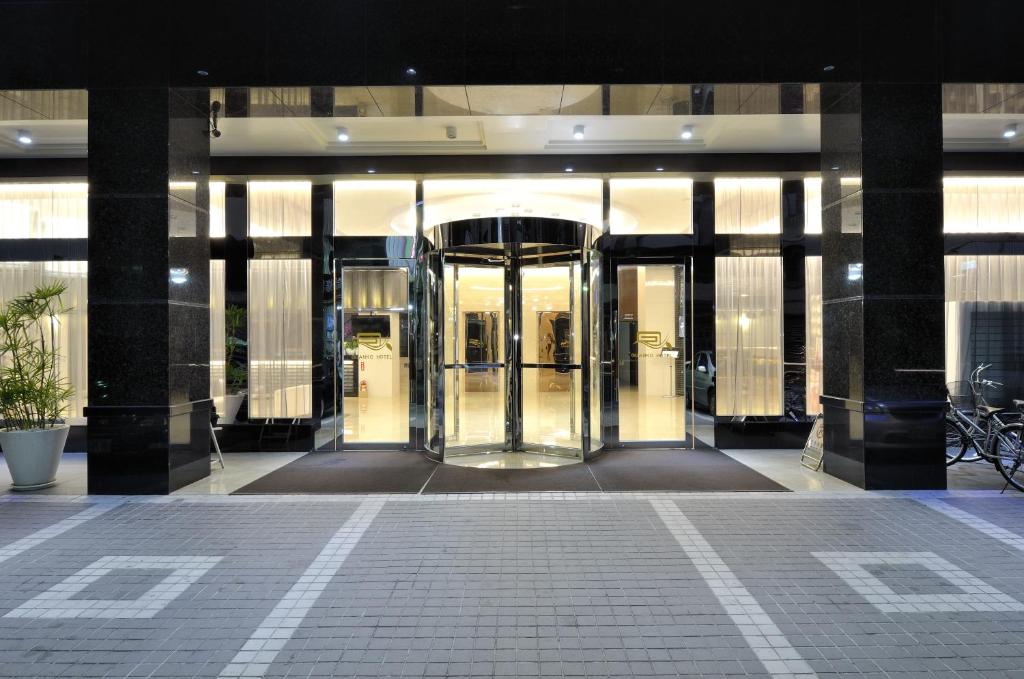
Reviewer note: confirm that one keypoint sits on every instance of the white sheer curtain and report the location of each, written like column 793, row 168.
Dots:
column 748, row 335
column 17, row 278
column 280, row 338
column 748, row 205
column 983, row 204
column 651, row 205
column 812, row 205
column 44, row 210
column 280, row 208
column 815, row 351
column 218, row 376
column 217, row 206
column 977, row 283
column 367, row 207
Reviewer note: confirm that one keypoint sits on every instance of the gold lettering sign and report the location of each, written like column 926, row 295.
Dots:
column 373, row 341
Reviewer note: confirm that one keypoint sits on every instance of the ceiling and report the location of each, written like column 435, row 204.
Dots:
column 511, row 134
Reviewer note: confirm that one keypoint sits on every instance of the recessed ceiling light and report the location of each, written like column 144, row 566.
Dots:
column 202, row 72
column 410, row 71
column 687, row 132
column 659, row 169
column 835, row 168
column 1010, row 131
column 342, row 134
column 829, row 68
column 371, row 171
column 24, row 137
column 568, row 169
column 577, row 132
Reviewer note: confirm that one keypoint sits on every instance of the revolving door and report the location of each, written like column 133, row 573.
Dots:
column 514, row 349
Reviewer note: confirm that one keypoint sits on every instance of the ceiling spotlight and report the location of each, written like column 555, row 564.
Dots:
column 410, row 71
column 202, row 72
column 577, row 132
column 371, row 171
column 342, row 134
column 829, row 68
column 659, row 169
column 687, row 132
column 1010, row 131
column 568, row 169
column 24, row 137
column 450, row 132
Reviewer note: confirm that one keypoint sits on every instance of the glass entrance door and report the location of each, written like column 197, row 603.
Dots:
column 511, row 328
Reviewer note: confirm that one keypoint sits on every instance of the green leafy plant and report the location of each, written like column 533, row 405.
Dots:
column 236, row 374
column 32, row 392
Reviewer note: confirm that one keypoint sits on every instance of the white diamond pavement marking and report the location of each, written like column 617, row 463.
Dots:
column 269, row 638
column 975, row 522
column 63, row 526
column 767, row 641
column 56, row 602
column 973, row 595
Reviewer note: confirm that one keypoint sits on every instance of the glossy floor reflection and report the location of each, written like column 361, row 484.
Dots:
column 503, row 460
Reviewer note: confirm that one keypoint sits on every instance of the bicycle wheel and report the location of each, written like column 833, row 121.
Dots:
column 1009, row 449
column 956, row 442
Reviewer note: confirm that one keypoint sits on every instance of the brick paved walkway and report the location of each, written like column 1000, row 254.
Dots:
column 541, row 585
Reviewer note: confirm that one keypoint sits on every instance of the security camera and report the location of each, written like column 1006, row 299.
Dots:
column 450, row 132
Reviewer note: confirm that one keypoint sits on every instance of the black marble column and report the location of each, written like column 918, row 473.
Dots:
column 882, row 283
column 149, row 263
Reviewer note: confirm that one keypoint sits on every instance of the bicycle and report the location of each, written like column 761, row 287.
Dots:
column 973, row 424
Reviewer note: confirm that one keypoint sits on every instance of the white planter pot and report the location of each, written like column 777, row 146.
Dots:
column 33, row 455
column 232, row 402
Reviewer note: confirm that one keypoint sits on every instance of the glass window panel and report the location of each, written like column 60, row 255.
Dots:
column 812, row 205
column 652, row 401
column 815, row 351
column 280, row 208
column 748, row 205
column 217, row 209
column 372, row 102
column 44, row 210
column 551, row 408
column 375, row 208
column 596, row 326
column 577, row 199
column 550, row 314
column 638, row 100
column 748, row 335
column 474, row 309
column 218, row 337
column 654, row 205
column 983, row 204
column 375, row 349
column 984, row 312
column 18, row 278
column 280, row 338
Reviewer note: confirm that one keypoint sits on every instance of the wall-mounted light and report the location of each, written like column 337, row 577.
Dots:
column 687, row 132
column 1010, row 131
column 24, row 137
column 577, row 132
column 343, row 134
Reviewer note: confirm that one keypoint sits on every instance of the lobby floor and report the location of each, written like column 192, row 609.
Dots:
column 781, row 585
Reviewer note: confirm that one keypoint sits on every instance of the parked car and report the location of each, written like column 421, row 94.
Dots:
column 703, row 380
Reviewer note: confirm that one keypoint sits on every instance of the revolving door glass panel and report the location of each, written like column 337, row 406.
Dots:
column 512, row 342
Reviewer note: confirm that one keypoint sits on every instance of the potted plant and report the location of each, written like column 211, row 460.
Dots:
column 32, row 392
column 235, row 374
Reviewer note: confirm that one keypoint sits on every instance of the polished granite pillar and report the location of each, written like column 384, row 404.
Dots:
column 882, row 284
column 149, row 263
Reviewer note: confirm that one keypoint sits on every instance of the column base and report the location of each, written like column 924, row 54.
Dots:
column 147, row 450
column 885, row 446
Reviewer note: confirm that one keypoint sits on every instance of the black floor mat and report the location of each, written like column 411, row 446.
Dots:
column 452, row 479
column 349, row 472
column 703, row 469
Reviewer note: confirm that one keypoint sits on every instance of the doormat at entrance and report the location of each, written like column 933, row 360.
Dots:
column 349, row 472
column 450, row 478
column 700, row 470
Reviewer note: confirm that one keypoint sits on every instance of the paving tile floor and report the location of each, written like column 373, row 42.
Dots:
column 830, row 584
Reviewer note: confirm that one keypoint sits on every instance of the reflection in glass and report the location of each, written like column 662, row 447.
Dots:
column 815, row 347
column 651, row 325
column 474, row 407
